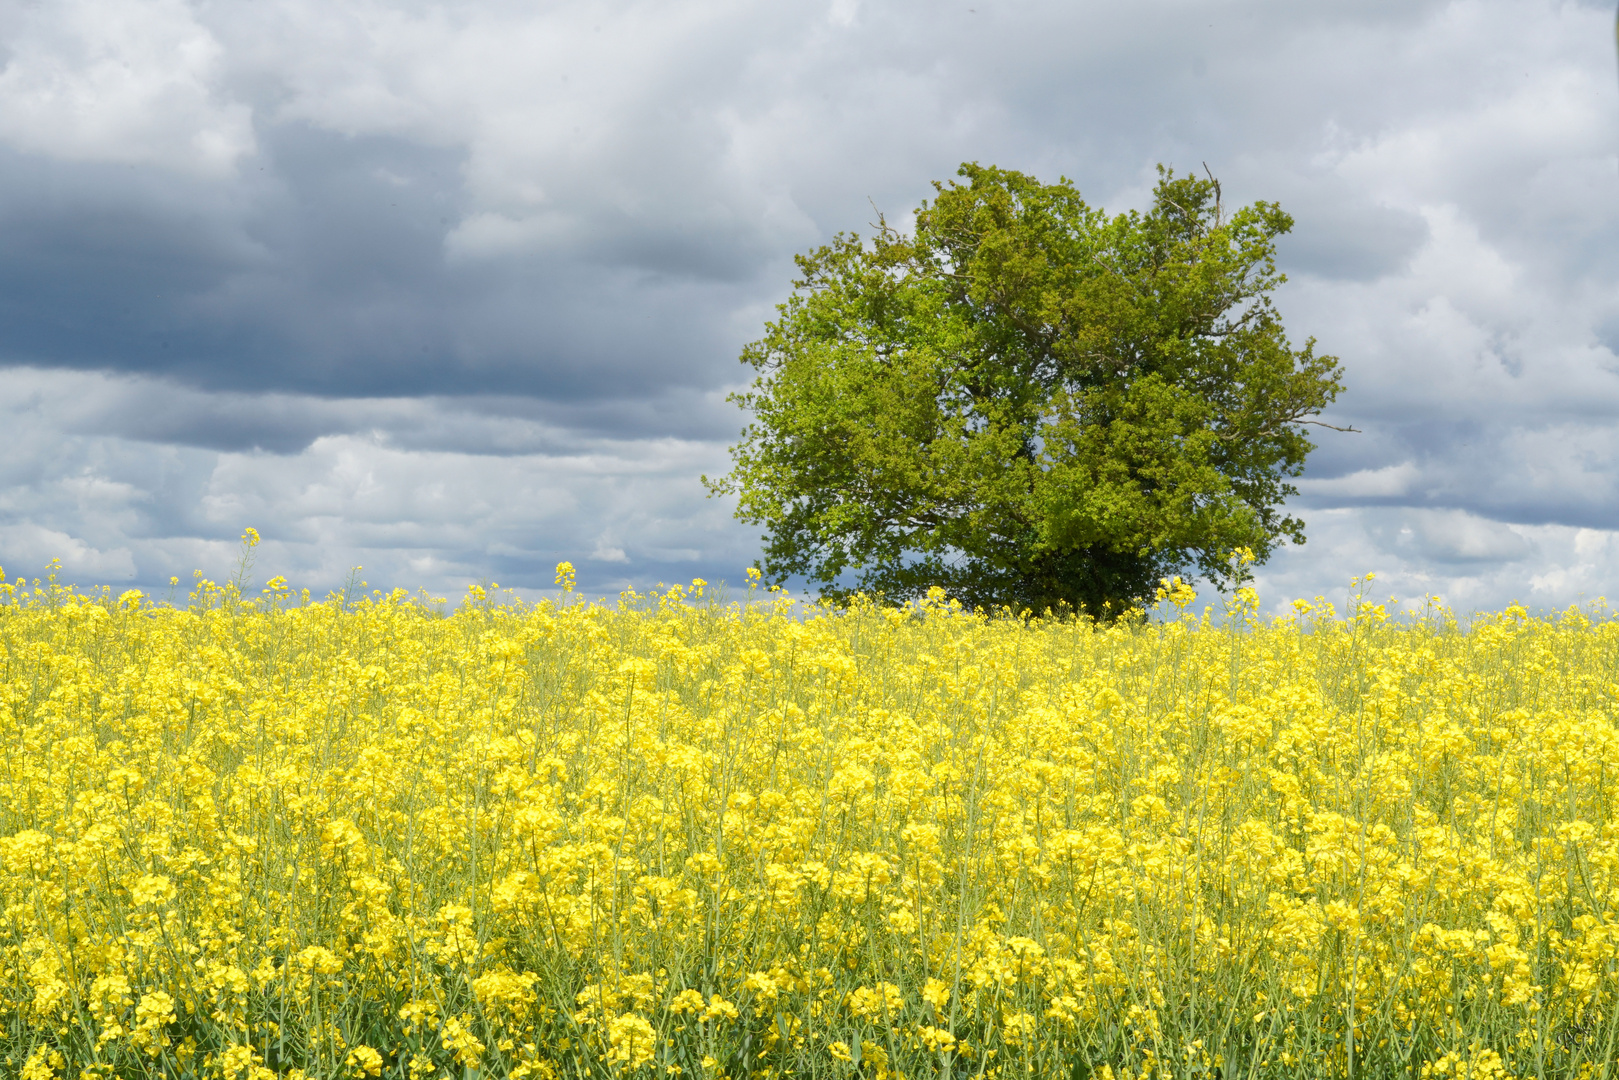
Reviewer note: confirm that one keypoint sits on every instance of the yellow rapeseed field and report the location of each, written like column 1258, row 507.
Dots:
column 682, row 837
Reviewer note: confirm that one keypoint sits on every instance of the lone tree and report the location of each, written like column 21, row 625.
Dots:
column 1029, row 402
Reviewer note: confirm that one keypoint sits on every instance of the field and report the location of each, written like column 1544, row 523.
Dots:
column 681, row 836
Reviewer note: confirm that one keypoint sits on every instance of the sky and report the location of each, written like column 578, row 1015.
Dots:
column 455, row 291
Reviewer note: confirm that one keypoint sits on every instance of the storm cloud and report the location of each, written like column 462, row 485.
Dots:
column 456, row 290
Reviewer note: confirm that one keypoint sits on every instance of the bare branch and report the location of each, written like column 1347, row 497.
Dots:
column 1219, row 210
column 881, row 224
column 1269, row 430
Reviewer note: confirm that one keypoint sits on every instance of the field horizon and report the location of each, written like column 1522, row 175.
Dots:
column 675, row 836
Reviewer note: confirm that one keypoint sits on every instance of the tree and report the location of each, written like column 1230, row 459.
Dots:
column 1029, row 402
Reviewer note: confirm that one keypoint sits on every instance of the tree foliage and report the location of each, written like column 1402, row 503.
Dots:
column 1030, row 402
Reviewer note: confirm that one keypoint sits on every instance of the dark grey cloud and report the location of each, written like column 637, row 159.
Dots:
column 578, row 221
column 330, row 277
column 168, row 413
column 456, row 289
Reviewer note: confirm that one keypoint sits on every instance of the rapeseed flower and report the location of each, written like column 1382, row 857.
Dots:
column 670, row 837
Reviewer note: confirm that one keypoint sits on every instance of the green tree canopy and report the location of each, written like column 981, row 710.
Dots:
column 1029, row 402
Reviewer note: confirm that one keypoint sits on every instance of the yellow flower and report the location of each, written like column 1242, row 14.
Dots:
column 503, row 989
column 883, row 1002
column 877, row 824
column 457, row 1038
column 42, row 1064
column 152, row 889
column 1017, row 1027
column 319, row 960
column 239, row 1062
column 631, row 1040
column 365, row 1061
column 155, row 1009
column 687, row 1001
column 719, row 1009
column 1108, row 698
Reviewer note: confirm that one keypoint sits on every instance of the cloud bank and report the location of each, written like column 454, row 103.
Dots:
column 456, row 290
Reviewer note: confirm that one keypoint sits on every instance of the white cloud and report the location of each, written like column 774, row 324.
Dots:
column 612, row 121
column 115, row 509
column 604, row 162
column 1470, row 563
column 122, row 81
column 1389, row 481
column 1457, row 536
column 488, row 234
column 607, row 553
column 843, row 12
column 31, row 548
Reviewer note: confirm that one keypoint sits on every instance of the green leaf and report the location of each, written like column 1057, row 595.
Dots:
column 1029, row 402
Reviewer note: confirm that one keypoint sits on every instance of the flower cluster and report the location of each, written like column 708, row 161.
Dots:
column 679, row 837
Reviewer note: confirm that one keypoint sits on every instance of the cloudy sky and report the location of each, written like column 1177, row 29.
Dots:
column 455, row 290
